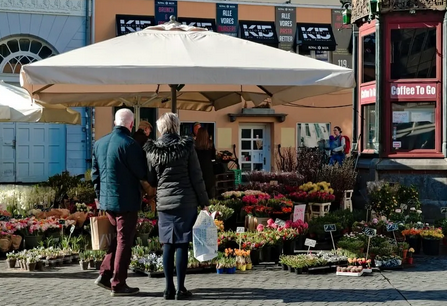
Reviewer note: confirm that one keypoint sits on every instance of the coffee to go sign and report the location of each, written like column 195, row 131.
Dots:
column 413, row 91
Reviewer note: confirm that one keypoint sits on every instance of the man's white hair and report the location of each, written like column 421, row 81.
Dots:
column 168, row 123
column 124, row 117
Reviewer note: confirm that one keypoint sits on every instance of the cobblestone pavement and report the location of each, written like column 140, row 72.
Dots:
column 424, row 284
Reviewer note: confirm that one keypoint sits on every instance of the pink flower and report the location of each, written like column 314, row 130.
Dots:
column 288, row 224
column 375, row 221
column 260, row 227
column 270, row 222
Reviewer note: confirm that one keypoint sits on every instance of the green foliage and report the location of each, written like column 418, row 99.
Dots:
column 83, row 192
column 61, row 184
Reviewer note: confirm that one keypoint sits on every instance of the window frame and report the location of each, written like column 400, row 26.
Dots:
column 409, row 23
column 363, row 128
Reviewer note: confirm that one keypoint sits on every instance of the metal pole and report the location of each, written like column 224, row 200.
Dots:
column 355, row 112
column 173, row 98
column 444, row 87
column 380, row 119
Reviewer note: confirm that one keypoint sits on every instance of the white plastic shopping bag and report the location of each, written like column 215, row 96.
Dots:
column 204, row 237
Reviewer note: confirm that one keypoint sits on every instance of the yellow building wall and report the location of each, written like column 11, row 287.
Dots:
column 105, row 28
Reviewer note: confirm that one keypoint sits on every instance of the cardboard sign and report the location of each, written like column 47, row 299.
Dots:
column 280, row 222
column 310, row 243
column 240, row 229
column 370, row 232
column 443, row 210
column 299, row 212
column 392, row 227
column 330, row 228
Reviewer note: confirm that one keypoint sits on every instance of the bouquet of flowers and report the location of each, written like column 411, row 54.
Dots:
column 144, row 226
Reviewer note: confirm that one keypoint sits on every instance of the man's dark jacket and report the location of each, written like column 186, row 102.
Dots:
column 174, row 170
column 118, row 165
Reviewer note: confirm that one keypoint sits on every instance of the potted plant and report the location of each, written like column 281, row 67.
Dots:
column 11, row 259
column 144, row 228
column 284, row 260
column 220, row 263
column 98, row 257
column 410, row 256
column 82, row 261
column 413, row 237
column 32, row 261
column 431, row 238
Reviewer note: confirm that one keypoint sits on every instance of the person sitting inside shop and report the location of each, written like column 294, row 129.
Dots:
column 142, row 134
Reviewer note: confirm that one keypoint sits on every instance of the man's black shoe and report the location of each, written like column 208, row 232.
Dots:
column 169, row 295
column 103, row 282
column 183, row 295
column 125, row 290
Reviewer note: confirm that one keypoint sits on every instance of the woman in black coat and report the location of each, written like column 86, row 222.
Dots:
column 174, row 170
column 206, row 153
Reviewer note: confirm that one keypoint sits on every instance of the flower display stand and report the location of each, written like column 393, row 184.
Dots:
column 350, row 273
column 347, row 200
column 319, row 209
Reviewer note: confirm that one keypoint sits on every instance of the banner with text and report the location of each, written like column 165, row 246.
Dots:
column 164, row 10
column 342, row 56
column 227, row 19
column 285, row 27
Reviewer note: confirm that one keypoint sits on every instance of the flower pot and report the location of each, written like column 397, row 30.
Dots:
column 299, row 242
column 32, row 242
column 98, row 265
column 284, row 267
column 265, row 254
column 243, row 267
column 220, row 271
column 52, row 263
column 39, row 265
column 67, row 259
column 91, row 264
column 430, row 247
column 404, row 254
column 16, row 241
column 288, row 247
column 32, row 266
column 84, row 265
column 5, row 245
column 290, row 269
column 415, row 243
column 410, row 260
column 11, row 263
column 249, row 266
column 231, row 270
column 254, row 256
column 144, row 239
column 275, row 253
column 299, row 270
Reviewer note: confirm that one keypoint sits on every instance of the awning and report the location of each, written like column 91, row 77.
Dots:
column 126, row 24
column 263, row 32
column 206, row 23
column 315, row 36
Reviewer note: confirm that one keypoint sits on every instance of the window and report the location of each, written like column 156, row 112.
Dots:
column 369, row 126
column 146, row 114
column 16, row 51
column 319, row 55
column 413, row 126
column 186, row 129
column 310, row 134
column 413, row 53
column 369, row 58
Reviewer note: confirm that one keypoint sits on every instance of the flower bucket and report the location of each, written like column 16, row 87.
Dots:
column 410, row 260
column 39, row 265
column 265, row 254
column 288, row 247
column 430, row 247
column 231, row 270
column 249, row 266
column 290, row 269
column 415, row 243
column 284, row 267
column 299, row 270
column 32, row 266
column 11, row 263
column 98, row 265
column 254, row 256
column 243, row 267
column 220, row 271
column 84, row 265
column 32, row 242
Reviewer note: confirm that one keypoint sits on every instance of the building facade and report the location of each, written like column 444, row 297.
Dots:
column 31, row 30
column 313, row 30
column 402, row 94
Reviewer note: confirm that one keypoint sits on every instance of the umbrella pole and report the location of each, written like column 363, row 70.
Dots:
column 137, row 116
column 173, row 98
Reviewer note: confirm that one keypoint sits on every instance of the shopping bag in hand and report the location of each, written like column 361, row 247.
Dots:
column 102, row 232
column 204, row 237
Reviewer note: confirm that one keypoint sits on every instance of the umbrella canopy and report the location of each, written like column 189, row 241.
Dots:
column 145, row 64
column 16, row 105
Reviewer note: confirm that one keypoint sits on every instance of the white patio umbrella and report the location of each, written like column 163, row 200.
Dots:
column 16, row 105
column 144, row 66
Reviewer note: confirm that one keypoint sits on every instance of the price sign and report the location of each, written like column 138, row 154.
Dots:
column 240, row 229
column 298, row 212
column 72, row 229
column 330, row 228
column 280, row 222
column 370, row 232
column 61, row 221
column 310, row 243
column 392, row 227
column 443, row 210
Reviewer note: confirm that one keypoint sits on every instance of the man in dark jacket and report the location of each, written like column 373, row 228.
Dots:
column 118, row 166
column 143, row 132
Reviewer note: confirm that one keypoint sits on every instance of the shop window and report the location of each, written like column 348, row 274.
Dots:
column 413, row 53
column 319, row 55
column 146, row 114
column 311, row 134
column 186, row 129
column 413, row 126
column 369, row 127
column 369, row 58
column 16, row 51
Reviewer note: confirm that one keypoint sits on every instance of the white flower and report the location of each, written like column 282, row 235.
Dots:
column 412, row 208
column 398, row 210
column 419, row 211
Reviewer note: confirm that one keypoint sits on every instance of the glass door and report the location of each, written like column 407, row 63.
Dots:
column 254, row 147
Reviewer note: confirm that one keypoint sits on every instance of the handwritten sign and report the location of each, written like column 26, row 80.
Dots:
column 298, row 212
column 240, row 229
column 280, row 222
column 392, row 227
column 330, row 228
column 310, row 243
column 370, row 232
